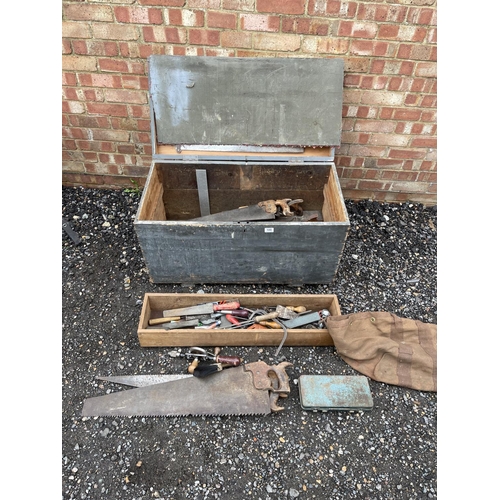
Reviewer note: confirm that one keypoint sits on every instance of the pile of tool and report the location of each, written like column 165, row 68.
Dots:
column 232, row 315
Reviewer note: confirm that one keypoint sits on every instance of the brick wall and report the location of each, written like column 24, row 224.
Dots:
column 388, row 150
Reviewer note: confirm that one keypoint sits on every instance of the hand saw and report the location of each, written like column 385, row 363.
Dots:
column 250, row 389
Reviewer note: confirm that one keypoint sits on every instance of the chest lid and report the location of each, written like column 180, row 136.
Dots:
column 231, row 101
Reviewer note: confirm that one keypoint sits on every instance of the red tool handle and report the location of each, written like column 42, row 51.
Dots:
column 232, row 319
column 227, row 305
column 229, row 360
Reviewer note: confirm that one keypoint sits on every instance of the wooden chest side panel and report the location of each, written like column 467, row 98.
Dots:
column 292, row 253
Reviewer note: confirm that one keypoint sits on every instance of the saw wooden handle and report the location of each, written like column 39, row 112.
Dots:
column 227, row 306
column 159, row 321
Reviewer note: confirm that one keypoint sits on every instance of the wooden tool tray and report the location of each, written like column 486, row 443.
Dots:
column 155, row 303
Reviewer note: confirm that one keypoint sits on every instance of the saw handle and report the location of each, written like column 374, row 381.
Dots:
column 227, row 306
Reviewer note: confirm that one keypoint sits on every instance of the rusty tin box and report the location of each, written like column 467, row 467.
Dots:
column 232, row 132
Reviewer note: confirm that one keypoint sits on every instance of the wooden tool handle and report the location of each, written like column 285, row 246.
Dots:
column 265, row 317
column 298, row 309
column 271, row 324
column 227, row 306
column 159, row 321
column 229, row 360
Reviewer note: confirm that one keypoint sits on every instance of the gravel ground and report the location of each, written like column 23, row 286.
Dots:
column 388, row 264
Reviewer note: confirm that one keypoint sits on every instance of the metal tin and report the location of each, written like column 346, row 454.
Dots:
column 335, row 392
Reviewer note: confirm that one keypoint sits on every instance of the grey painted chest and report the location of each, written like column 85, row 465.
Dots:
column 230, row 133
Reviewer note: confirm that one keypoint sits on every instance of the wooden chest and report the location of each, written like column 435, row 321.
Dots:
column 233, row 132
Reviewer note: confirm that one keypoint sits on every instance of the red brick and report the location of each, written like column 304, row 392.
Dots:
column 327, row 45
column 68, row 79
column 241, row 5
column 407, row 68
column 376, row 12
column 356, row 64
column 377, row 66
column 204, row 37
column 79, row 63
column 399, row 176
column 76, row 30
column 406, row 154
column 332, row 8
column 203, row 4
column 404, row 51
column 386, row 113
column 111, row 135
column 281, row 6
column 371, row 184
column 236, row 39
column 127, row 149
column 100, row 80
column 119, row 32
column 220, row 20
column 411, row 100
column 135, row 82
column 96, row 146
column 107, row 109
column 85, row 12
column 93, row 95
column 139, row 111
column 86, row 121
column 259, row 22
column 383, row 162
column 66, row 47
column 368, row 48
column 407, row 114
column 125, row 96
column 163, row 3
column 374, row 126
column 184, row 17
column 395, row 83
column 164, row 34
column 116, row 65
column 138, row 15
column 356, row 150
column 424, row 142
column 388, row 31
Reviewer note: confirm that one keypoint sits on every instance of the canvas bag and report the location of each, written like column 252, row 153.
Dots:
column 387, row 348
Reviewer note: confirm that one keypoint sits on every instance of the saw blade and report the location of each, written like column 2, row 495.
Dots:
column 229, row 392
column 143, row 380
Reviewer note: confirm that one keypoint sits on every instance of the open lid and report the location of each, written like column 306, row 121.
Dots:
column 246, row 101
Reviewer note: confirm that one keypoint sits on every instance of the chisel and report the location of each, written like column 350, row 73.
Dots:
column 207, row 308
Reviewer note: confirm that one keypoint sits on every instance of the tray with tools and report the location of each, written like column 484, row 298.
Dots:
column 187, row 319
